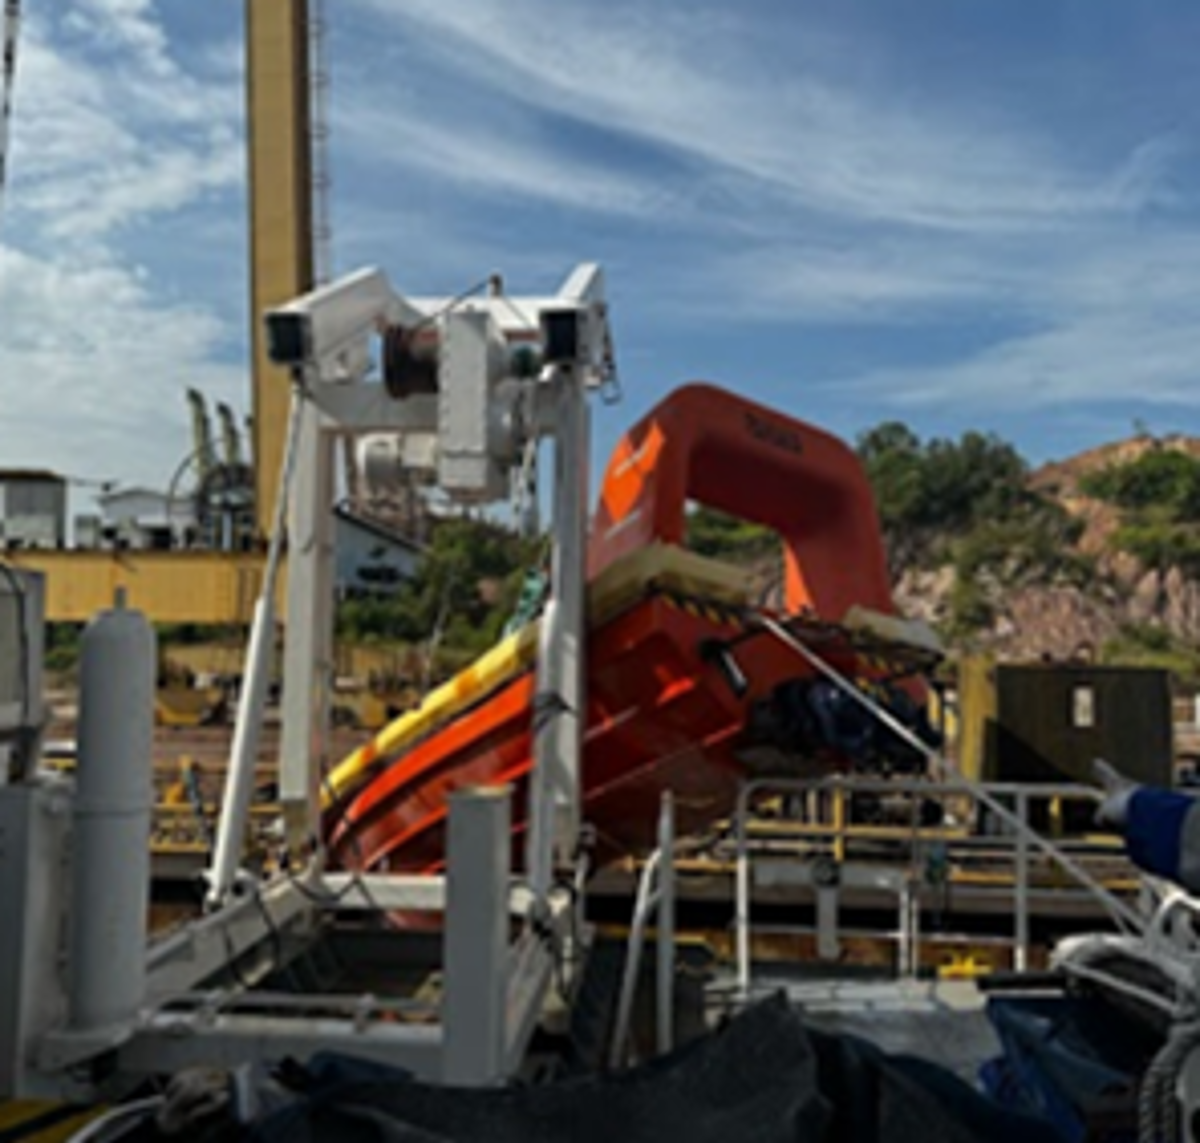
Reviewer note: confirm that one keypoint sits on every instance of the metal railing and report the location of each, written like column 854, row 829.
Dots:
column 830, row 837
column 655, row 896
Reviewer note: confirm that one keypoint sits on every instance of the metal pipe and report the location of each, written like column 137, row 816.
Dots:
column 239, row 781
column 904, row 956
column 114, row 795
column 202, row 441
column 1124, row 917
column 665, row 929
column 914, row 930
column 644, row 905
column 1021, row 953
column 741, row 907
column 231, row 441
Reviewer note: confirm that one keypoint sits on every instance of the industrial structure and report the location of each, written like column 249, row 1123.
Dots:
column 33, row 509
column 1047, row 722
column 647, row 700
column 426, row 912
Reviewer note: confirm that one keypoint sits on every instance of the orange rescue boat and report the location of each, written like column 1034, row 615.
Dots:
column 686, row 690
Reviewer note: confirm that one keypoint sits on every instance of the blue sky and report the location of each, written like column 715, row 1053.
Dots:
column 958, row 214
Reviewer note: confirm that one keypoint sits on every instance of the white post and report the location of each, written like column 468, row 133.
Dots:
column 475, row 1004
column 111, row 856
column 239, row 782
column 308, row 641
column 828, row 945
column 665, row 942
column 560, row 705
column 741, row 914
column 1021, row 953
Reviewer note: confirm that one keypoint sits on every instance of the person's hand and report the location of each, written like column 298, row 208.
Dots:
column 1114, row 810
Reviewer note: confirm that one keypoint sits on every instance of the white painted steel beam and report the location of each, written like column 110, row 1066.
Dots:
column 412, row 892
column 307, row 663
column 169, row 1043
column 185, row 959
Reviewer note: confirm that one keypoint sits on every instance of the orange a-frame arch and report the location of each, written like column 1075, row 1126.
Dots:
column 708, row 445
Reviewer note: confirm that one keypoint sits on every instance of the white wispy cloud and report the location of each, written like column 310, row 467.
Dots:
column 491, row 160
column 1091, row 360
column 728, row 170
column 720, row 91
column 94, row 363
column 99, row 143
column 112, row 133
column 817, row 192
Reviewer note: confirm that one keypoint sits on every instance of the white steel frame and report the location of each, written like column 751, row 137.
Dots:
column 493, row 992
column 495, row 988
column 333, row 397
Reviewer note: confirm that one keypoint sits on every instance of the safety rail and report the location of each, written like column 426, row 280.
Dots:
column 829, row 842
column 940, row 768
column 655, row 896
column 828, row 815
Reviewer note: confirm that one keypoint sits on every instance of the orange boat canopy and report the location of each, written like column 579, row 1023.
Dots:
column 707, row 445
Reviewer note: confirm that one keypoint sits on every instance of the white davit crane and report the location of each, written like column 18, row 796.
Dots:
column 12, row 19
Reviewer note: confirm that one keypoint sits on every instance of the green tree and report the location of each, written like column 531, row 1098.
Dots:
column 1160, row 478
column 1159, row 497
column 966, row 502
column 468, row 582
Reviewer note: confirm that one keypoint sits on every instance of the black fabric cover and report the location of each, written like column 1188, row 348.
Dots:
column 763, row 1078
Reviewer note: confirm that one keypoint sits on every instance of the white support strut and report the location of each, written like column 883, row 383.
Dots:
column 473, row 432
column 561, row 697
column 239, row 782
column 308, row 645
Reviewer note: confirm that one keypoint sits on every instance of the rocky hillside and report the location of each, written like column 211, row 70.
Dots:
column 1132, row 588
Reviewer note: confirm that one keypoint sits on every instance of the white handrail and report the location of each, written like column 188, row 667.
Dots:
column 1026, row 839
column 1125, row 918
column 651, row 898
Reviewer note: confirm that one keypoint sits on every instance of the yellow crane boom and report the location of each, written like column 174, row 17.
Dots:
column 279, row 139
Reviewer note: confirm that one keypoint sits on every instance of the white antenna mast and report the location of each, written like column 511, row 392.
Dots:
column 319, row 132
column 12, row 21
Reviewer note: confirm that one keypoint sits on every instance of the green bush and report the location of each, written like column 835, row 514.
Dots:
column 1161, row 546
column 62, row 647
column 1149, row 645
column 1162, row 479
column 970, row 608
column 1159, row 497
column 721, row 536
